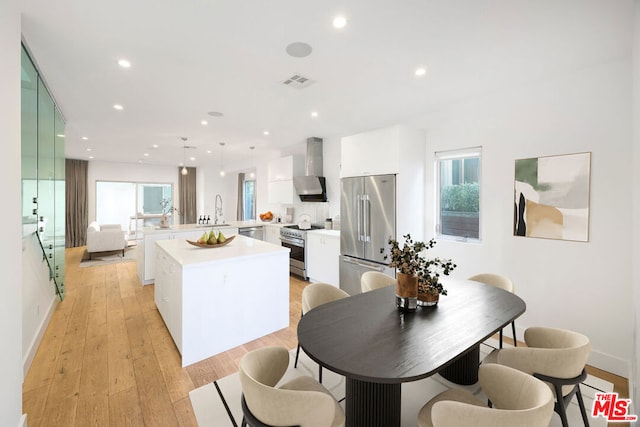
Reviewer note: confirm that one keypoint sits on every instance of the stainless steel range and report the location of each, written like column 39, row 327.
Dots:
column 294, row 238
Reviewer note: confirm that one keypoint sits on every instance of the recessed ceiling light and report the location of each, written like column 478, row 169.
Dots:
column 124, row 63
column 118, row 107
column 84, row 138
column 299, row 49
column 266, row 132
column 155, row 145
column 314, row 114
column 208, row 151
column 88, row 149
column 146, row 154
column 339, row 22
column 204, row 123
column 90, row 157
column 215, row 114
column 139, row 160
column 420, row 72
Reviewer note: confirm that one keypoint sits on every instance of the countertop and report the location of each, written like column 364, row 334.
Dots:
column 325, row 232
column 241, row 247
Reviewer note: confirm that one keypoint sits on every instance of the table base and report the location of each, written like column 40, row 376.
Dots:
column 372, row 404
column 464, row 371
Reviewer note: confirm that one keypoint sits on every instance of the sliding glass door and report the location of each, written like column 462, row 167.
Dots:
column 133, row 205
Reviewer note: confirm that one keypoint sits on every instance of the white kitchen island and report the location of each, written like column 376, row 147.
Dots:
column 214, row 299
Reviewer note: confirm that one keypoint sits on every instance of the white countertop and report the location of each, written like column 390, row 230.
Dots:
column 240, row 247
column 325, row 232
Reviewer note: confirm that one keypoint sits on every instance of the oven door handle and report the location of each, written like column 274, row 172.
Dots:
column 295, row 242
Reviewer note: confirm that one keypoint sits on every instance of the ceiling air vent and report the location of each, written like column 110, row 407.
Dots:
column 298, row 81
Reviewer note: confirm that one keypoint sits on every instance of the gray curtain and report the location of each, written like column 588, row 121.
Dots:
column 240, row 209
column 187, row 184
column 76, row 204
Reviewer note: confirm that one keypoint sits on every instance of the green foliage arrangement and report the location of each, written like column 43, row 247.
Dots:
column 410, row 259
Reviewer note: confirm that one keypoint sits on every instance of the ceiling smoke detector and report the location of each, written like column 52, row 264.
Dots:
column 298, row 81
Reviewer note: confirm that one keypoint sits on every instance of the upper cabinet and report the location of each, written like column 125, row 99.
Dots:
column 380, row 152
column 280, row 175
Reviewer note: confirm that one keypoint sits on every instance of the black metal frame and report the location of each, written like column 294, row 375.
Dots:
column 563, row 401
column 513, row 329
column 295, row 364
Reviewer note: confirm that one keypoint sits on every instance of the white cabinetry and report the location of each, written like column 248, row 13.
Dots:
column 272, row 233
column 398, row 150
column 280, row 176
column 381, row 151
column 213, row 300
column 323, row 251
column 146, row 248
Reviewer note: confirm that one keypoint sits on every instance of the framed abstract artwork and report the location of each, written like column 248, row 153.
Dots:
column 551, row 197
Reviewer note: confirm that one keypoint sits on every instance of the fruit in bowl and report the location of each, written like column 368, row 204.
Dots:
column 267, row 216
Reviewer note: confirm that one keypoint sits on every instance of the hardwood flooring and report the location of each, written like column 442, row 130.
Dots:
column 107, row 359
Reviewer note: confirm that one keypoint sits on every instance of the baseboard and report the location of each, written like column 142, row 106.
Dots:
column 27, row 358
column 23, row 421
column 609, row 363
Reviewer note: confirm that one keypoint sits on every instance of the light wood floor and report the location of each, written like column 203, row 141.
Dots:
column 107, row 358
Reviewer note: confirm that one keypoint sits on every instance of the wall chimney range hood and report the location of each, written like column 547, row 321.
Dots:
column 312, row 186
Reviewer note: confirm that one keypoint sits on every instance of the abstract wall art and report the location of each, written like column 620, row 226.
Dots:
column 552, row 197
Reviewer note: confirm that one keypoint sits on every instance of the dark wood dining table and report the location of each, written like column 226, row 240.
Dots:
column 377, row 347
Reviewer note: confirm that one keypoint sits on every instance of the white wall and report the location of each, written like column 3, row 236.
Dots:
column 39, row 298
column 580, row 286
column 634, row 380
column 10, row 303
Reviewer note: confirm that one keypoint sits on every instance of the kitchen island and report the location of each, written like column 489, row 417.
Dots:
column 214, row 299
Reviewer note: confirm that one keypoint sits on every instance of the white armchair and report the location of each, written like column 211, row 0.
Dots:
column 105, row 237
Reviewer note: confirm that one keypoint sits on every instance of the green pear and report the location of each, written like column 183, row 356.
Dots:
column 212, row 238
column 204, row 238
column 221, row 237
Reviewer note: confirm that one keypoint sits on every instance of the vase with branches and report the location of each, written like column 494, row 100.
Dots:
column 418, row 277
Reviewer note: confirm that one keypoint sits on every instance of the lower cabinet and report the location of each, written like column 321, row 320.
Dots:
column 272, row 233
column 323, row 252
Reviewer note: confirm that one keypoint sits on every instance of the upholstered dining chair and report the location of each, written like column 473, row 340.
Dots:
column 371, row 280
column 517, row 399
column 302, row 401
column 314, row 295
column 501, row 282
column 557, row 357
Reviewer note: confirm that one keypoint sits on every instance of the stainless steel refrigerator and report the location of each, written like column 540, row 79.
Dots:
column 367, row 220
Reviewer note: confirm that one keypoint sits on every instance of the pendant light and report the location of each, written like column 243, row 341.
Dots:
column 184, row 170
column 253, row 161
column 222, row 159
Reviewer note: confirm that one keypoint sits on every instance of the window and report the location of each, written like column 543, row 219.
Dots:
column 122, row 202
column 249, row 205
column 458, row 193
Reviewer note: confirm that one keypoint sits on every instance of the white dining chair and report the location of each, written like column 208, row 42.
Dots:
column 501, row 282
column 371, row 280
column 314, row 295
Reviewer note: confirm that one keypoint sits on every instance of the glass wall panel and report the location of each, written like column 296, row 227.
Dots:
column 43, row 170
column 46, row 158
column 29, row 138
column 59, row 191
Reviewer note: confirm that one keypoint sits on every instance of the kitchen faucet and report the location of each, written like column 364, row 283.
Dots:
column 218, row 210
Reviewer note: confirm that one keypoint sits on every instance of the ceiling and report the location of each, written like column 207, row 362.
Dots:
column 193, row 57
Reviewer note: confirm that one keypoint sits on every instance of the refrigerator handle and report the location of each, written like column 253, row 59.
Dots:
column 359, row 215
column 370, row 266
column 366, row 220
